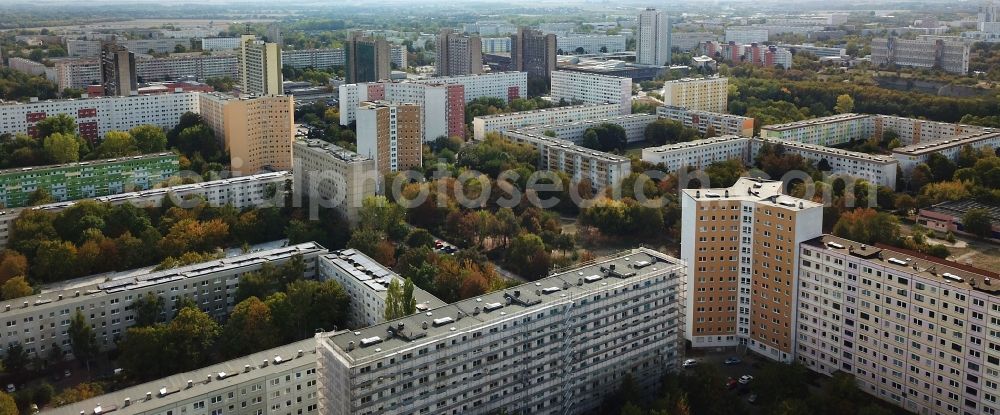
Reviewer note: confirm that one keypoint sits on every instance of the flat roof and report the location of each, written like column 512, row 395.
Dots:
column 767, row 192
column 686, row 80
column 121, row 197
column 816, row 121
column 641, row 117
column 915, row 263
column 564, row 144
column 88, row 163
column 598, row 75
column 958, row 208
column 695, row 143
column 831, row 151
column 173, row 389
column 418, row 329
column 700, row 112
column 376, row 277
column 331, row 149
column 545, row 110
column 129, row 280
column 956, row 141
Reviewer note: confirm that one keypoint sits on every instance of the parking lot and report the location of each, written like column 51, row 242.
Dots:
column 748, row 365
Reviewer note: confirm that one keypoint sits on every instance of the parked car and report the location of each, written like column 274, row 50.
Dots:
column 733, row 360
column 745, row 379
column 690, row 363
column 11, row 388
column 752, row 398
column 731, row 383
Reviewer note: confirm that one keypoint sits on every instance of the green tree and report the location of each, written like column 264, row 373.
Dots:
column 55, row 261
column 149, row 138
column 148, row 309
column 420, row 237
column 43, row 394
column 527, row 256
column 60, row 123
column 82, row 338
column 590, row 139
column 192, row 334
column 116, row 144
column 249, row 329
column 307, row 306
column 394, row 301
column 16, row 287
column 16, row 359
column 40, row 196
column 61, row 148
column 977, row 222
column 845, row 104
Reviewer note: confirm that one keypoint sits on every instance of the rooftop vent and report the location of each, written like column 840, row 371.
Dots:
column 370, row 341
column 952, row 277
column 438, row 322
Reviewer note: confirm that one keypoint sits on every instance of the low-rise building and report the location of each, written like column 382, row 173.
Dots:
column 722, row 124
column 366, row 283
column 330, row 176
column 557, row 115
column 700, row 94
column 481, row 351
column 579, row 163
column 592, row 89
column 278, row 380
column 947, row 217
column 87, row 179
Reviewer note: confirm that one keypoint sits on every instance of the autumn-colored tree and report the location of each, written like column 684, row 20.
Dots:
column 7, row 405
column 55, row 260
column 192, row 235
column 80, row 392
column 12, row 264
column 16, row 287
column 868, row 226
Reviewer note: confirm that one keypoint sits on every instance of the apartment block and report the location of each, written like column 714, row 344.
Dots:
column 260, row 67
column 86, row 179
column 818, row 51
column 689, row 41
column 367, row 59
column 257, row 131
column 571, row 44
column 85, row 48
column 698, row 153
column 746, row 35
column 876, row 169
column 200, row 67
column 633, row 124
column 391, row 134
column 557, row 115
column 78, row 74
column 561, row 344
column 458, row 54
column 699, row 94
column 278, row 380
column 118, row 76
column 333, row 176
column 313, row 58
column 601, row 169
column 533, row 52
column 443, row 105
column 504, row 85
column 27, row 66
column 653, row 38
column 914, row 330
column 489, row 28
column 398, row 56
column 97, row 116
column 844, row 128
column 722, row 124
column 41, row 321
column 593, row 89
column 912, row 155
column 495, row 44
column 949, row 56
column 366, row 283
column 220, row 43
column 743, row 282
column 259, row 190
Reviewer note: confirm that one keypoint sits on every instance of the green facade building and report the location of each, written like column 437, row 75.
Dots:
column 86, row 179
